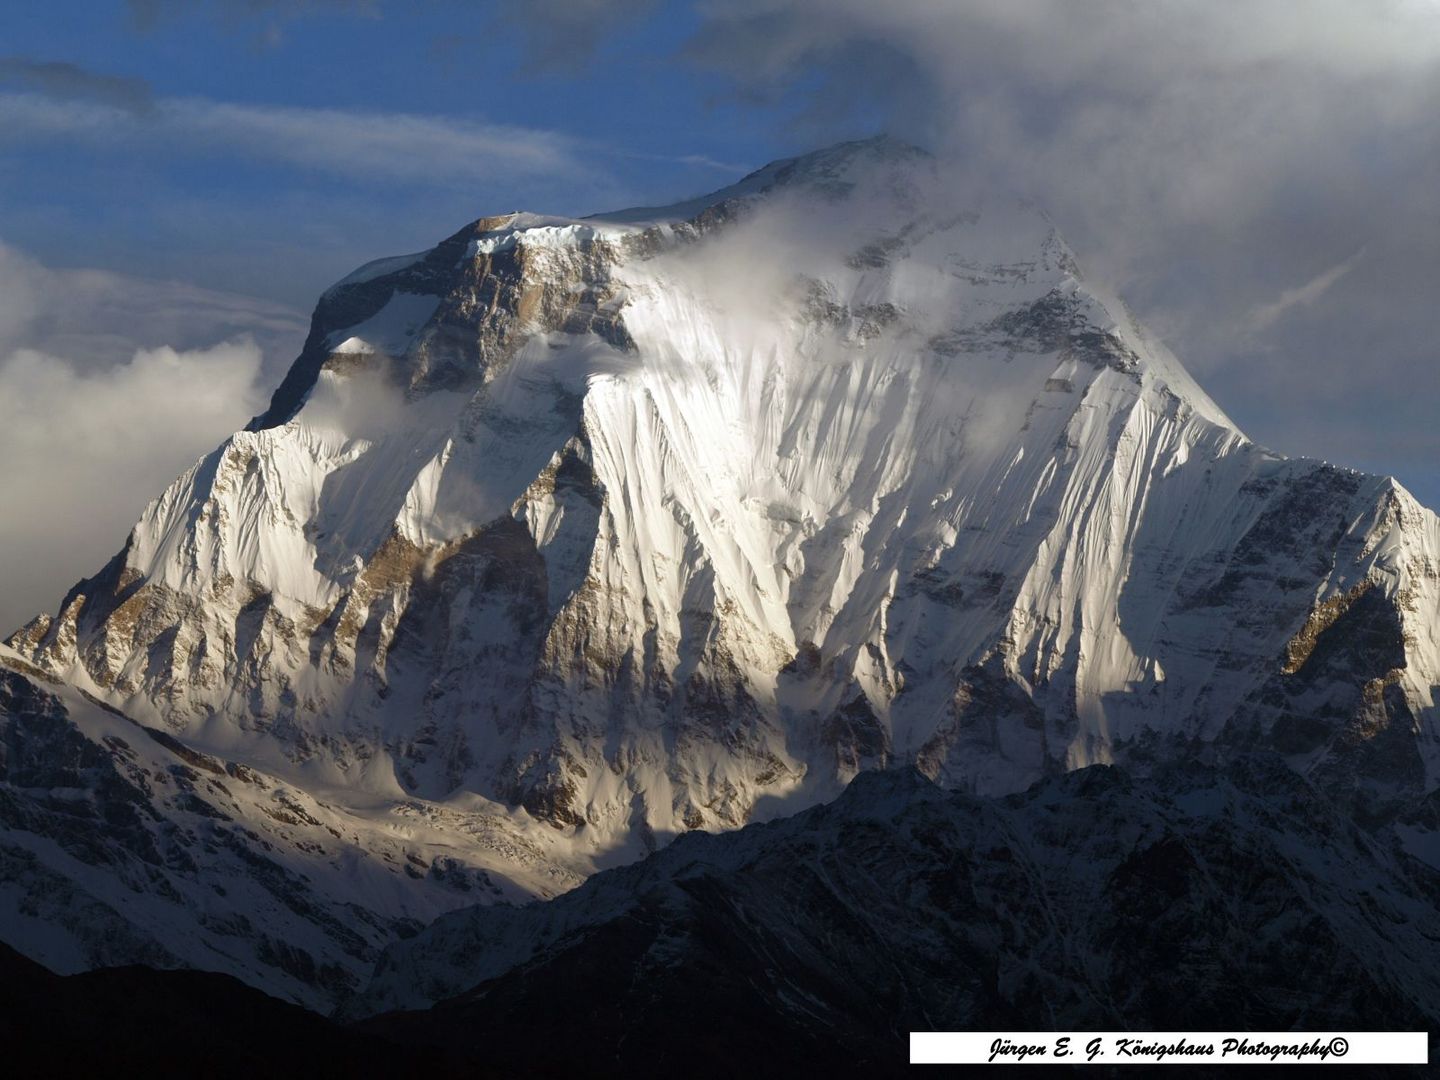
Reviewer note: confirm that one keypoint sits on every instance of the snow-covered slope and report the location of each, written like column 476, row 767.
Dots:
column 119, row 844
column 679, row 518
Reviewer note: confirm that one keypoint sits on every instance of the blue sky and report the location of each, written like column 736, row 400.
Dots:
column 1259, row 180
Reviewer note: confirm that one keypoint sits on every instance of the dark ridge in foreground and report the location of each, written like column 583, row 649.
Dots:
column 1198, row 899
column 140, row 1021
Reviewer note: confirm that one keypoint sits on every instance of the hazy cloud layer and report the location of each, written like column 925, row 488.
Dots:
column 97, row 416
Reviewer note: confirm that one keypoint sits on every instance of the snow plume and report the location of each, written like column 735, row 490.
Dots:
column 93, row 423
column 800, row 231
column 1266, row 315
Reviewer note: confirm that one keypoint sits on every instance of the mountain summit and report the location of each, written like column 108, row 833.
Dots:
column 602, row 530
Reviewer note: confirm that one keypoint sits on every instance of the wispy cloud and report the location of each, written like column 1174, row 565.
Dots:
column 1266, row 315
column 99, row 318
column 355, row 143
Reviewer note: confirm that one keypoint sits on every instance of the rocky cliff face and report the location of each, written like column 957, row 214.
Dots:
column 674, row 519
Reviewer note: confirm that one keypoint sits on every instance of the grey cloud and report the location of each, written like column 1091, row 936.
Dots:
column 69, row 82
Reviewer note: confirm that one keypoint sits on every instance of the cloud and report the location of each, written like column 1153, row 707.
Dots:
column 397, row 145
column 69, row 82
column 96, row 418
column 352, row 143
column 1156, row 131
column 23, row 283
column 1266, row 315
column 81, row 455
column 1196, row 107
column 698, row 161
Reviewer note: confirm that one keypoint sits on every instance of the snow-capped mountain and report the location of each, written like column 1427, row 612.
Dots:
column 598, row 531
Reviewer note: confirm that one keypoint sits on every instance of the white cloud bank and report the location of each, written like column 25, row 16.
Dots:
column 94, row 425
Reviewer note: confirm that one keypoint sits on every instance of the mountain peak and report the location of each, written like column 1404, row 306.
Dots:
column 841, row 162
column 832, row 171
